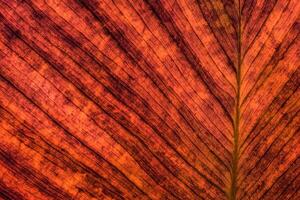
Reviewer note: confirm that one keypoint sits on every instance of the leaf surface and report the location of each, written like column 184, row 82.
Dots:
column 185, row 99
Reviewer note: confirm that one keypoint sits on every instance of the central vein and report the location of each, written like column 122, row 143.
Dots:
column 235, row 154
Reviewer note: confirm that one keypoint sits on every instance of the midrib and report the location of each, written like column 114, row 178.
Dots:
column 235, row 153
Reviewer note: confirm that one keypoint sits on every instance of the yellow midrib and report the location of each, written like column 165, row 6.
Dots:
column 235, row 153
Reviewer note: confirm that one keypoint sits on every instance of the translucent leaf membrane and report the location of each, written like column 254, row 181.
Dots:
column 180, row 99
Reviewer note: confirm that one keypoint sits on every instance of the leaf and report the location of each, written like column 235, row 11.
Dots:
column 186, row 99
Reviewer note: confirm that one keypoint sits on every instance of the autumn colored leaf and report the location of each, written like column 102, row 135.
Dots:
column 149, row 99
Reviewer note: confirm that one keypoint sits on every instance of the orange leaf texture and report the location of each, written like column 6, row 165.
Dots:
column 149, row 99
